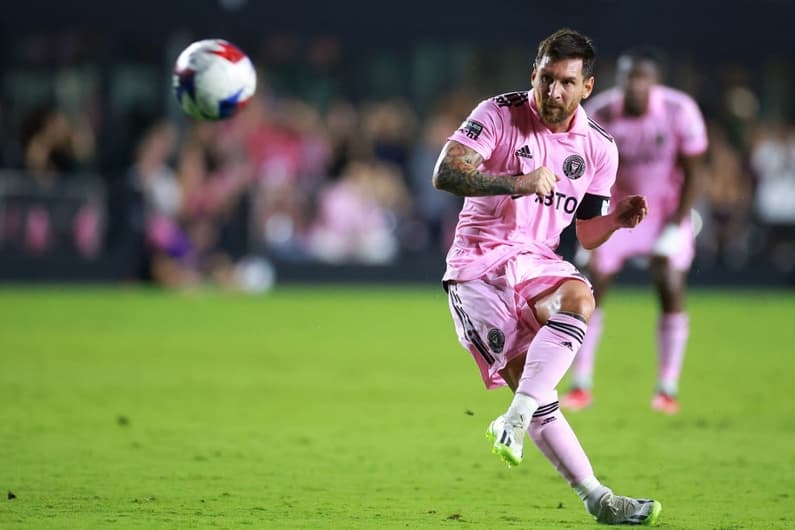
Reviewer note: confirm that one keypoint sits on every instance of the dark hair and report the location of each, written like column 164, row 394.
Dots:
column 646, row 53
column 567, row 43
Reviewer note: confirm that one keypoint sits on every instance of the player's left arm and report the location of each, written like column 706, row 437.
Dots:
column 595, row 225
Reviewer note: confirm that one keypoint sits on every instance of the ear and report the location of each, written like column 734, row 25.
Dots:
column 588, row 85
column 532, row 75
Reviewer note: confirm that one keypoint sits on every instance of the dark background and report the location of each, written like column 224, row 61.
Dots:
column 415, row 51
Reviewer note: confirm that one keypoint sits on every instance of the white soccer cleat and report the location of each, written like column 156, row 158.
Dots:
column 614, row 509
column 507, row 440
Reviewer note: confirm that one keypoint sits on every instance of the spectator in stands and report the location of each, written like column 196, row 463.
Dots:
column 727, row 205
column 55, row 145
column 358, row 216
column 169, row 245
column 390, row 127
column 439, row 210
column 188, row 208
column 773, row 160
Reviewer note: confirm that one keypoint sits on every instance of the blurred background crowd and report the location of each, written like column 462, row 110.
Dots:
column 331, row 163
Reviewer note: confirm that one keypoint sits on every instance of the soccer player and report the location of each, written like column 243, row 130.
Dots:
column 661, row 136
column 528, row 163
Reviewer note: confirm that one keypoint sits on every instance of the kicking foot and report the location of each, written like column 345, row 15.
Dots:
column 613, row 509
column 507, row 440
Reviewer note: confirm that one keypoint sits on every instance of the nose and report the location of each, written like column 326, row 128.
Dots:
column 555, row 90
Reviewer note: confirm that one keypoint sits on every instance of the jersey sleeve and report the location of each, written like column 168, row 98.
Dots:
column 481, row 130
column 605, row 173
column 690, row 130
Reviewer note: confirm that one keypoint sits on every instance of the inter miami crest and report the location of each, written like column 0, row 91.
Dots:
column 574, row 166
column 496, row 340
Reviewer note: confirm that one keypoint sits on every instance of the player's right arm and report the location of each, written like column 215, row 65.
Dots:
column 457, row 172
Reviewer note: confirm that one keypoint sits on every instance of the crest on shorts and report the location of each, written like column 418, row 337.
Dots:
column 574, row 166
column 496, row 340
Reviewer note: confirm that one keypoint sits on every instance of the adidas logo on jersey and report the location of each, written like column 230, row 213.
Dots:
column 524, row 152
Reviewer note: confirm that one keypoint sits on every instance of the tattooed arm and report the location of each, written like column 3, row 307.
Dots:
column 457, row 172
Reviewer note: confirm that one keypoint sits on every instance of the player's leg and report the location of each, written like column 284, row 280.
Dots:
column 672, row 332
column 551, row 433
column 555, row 438
column 563, row 314
column 580, row 394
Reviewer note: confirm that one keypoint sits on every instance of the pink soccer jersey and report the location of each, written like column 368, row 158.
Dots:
column 649, row 145
column 508, row 133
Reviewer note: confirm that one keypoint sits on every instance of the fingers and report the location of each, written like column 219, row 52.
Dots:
column 637, row 217
column 643, row 207
column 636, row 211
column 542, row 191
column 549, row 180
column 639, row 202
column 633, row 210
column 632, row 221
column 547, row 183
column 544, row 181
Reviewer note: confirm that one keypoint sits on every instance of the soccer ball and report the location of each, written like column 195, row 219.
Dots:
column 213, row 79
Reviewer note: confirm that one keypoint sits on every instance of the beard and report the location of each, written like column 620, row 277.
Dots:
column 553, row 113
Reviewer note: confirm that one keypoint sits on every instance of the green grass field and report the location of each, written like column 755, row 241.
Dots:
column 357, row 408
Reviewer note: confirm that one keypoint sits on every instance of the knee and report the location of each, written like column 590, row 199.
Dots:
column 579, row 301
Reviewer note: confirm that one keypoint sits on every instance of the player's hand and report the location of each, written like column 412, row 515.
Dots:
column 541, row 181
column 670, row 241
column 630, row 211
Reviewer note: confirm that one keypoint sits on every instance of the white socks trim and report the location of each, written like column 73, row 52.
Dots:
column 521, row 410
column 586, row 487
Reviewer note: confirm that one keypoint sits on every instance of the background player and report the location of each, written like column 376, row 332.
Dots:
column 528, row 163
column 661, row 136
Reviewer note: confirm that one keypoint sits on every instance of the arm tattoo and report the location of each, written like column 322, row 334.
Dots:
column 457, row 172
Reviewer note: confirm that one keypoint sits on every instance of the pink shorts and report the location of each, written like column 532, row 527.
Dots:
column 494, row 315
column 609, row 257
